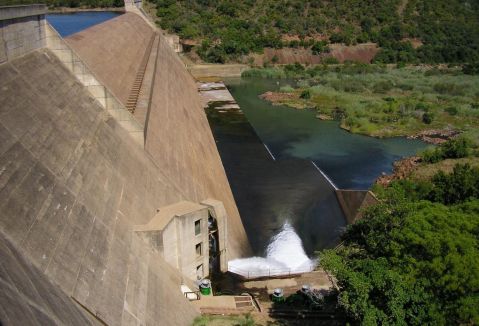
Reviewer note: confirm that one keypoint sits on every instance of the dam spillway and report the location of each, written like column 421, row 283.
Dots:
column 273, row 192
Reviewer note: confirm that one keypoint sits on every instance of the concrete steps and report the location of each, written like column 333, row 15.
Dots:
column 244, row 302
column 132, row 100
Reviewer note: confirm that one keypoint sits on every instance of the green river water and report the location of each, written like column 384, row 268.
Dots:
column 352, row 161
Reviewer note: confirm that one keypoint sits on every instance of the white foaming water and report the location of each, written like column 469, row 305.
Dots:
column 284, row 255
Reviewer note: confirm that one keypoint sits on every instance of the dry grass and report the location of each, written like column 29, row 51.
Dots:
column 427, row 171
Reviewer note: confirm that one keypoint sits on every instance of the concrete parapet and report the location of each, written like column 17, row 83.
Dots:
column 21, row 30
column 13, row 12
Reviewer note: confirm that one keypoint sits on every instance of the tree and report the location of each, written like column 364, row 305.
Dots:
column 459, row 186
column 410, row 263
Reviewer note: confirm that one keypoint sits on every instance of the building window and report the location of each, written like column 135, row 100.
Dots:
column 197, row 227
column 199, row 272
column 199, row 249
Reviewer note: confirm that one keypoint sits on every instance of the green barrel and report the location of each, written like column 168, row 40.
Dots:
column 277, row 295
column 205, row 287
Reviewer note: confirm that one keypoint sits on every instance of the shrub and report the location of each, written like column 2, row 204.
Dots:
column 330, row 61
column 453, row 148
column 422, row 107
column 406, row 87
column 286, row 89
column 451, row 110
column 432, row 155
column 352, row 86
column 339, row 114
column 457, row 187
column 295, row 69
column 427, row 118
column 320, row 47
column 306, row 94
column 382, row 87
column 471, row 68
column 457, row 148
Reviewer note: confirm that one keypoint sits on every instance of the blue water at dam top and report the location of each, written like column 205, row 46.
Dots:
column 67, row 24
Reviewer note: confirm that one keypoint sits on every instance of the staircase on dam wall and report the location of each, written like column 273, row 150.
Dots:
column 143, row 95
column 85, row 75
column 140, row 75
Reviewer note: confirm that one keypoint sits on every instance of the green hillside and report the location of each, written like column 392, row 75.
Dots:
column 226, row 29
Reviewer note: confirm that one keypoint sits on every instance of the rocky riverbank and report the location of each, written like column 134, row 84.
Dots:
column 436, row 136
column 402, row 169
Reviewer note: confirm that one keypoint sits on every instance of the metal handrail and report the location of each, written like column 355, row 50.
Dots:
column 269, row 272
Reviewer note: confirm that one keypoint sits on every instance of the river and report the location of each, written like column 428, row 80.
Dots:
column 268, row 154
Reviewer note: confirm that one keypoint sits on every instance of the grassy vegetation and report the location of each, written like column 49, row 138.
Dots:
column 379, row 101
column 228, row 30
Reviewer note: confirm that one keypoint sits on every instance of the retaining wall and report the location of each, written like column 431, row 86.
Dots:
column 354, row 201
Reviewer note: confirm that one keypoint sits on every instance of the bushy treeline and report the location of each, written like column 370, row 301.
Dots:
column 413, row 259
column 454, row 148
column 67, row 3
column 448, row 29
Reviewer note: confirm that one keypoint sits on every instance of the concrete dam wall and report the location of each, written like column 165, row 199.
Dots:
column 74, row 184
column 177, row 136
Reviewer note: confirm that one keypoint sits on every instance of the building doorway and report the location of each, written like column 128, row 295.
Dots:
column 214, row 245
